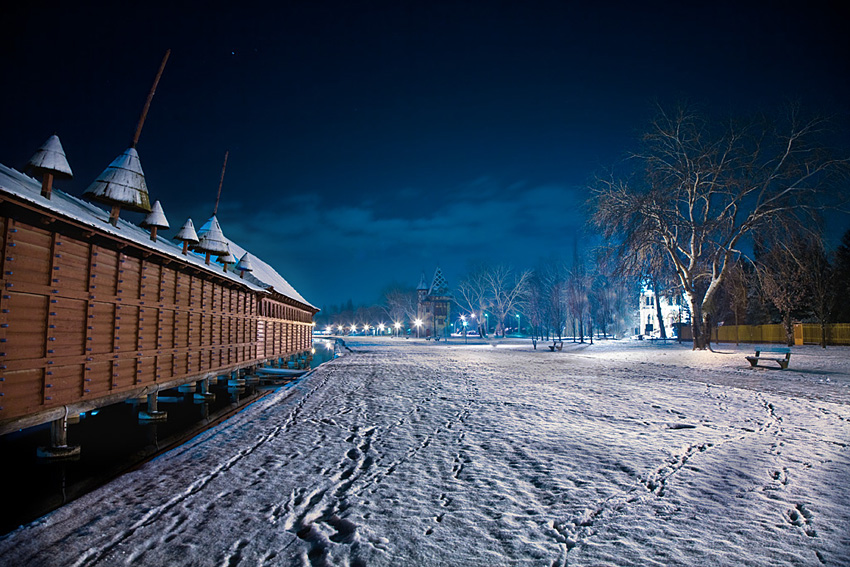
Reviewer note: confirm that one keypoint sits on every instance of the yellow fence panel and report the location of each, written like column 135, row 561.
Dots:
column 808, row 333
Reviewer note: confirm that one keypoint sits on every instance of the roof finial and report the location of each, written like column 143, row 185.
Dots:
column 221, row 182
column 148, row 101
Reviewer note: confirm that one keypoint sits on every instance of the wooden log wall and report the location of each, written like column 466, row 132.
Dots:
column 81, row 320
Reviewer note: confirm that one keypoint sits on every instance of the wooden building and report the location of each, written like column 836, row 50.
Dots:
column 92, row 314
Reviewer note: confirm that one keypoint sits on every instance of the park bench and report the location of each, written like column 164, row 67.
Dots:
column 783, row 362
column 556, row 345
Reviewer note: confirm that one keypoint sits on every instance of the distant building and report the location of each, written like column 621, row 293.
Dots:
column 434, row 308
column 673, row 311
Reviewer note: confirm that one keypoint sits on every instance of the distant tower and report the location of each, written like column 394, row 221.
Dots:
column 422, row 289
column 435, row 305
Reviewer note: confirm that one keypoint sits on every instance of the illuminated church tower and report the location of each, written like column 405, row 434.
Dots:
column 435, row 306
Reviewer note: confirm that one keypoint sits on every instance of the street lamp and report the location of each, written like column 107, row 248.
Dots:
column 397, row 326
column 518, row 325
column 381, row 328
column 340, row 328
column 486, row 324
column 353, row 329
column 465, row 338
column 418, row 324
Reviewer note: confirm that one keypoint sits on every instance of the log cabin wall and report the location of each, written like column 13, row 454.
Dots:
column 87, row 318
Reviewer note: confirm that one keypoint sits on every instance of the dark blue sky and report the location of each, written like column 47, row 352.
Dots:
column 371, row 141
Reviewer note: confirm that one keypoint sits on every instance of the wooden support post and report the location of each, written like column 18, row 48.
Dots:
column 153, row 413
column 59, row 448
column 46, row 185
column 113, row 215
column 204, row 394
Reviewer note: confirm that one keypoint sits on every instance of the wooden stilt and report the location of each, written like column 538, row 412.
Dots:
column 59, row 448
column 46, row 184
column 113, row 215
column 153, row 413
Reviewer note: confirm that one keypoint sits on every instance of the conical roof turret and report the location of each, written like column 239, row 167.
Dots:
column 51, row 157
column 156, row 218
column 422, row 285
column 50, row 161
column 245, row 264
column 227, row 258
column 122, row 185
column 187, row 233
column 212, row 241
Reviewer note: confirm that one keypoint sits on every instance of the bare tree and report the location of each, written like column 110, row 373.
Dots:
column 783, row 282
column 473, row 295
column 737, row 286
column 555, row 278
column 701, row 191
column 820, row 278
column 506, row 290
column 400, row 303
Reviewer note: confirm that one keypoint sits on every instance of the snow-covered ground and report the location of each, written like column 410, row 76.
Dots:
column 419, row 453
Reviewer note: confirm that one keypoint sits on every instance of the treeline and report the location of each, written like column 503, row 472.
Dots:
column 794, row 279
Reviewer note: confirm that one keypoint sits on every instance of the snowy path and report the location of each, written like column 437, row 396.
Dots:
column 408, row 453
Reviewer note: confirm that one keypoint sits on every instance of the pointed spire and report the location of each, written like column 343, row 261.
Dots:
column 245, row 264
column 50, row 161
column 187, row 235
column 228, row 258
column 212, row 241
column 156, row 219
column 122, row 184
column 439, row 285
column 422, row 285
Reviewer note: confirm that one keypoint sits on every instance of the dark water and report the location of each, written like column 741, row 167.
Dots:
column 112, row 441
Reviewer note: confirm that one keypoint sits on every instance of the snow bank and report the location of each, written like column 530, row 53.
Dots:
column 415, row 453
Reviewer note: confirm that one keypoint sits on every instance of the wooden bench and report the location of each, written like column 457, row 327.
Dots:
column 783, row 362
column 556, row 345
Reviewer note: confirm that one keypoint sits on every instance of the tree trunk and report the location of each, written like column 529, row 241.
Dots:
column 660, row 317
column 789, row 329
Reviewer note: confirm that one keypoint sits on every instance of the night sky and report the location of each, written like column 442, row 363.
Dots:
column 370, row 142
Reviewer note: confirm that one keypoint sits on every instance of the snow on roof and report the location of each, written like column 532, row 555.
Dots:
column 264, row 277
column 245, row 263
column 212, row 239
column 262, row 273
column 156, row 217
column 187, row 232
column 51, row 157
column 122, row 182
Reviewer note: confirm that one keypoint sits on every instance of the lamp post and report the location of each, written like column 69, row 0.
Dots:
column 465, row 338
column 486, row 324
column 418, row 324
column 381, row 328
column 518, row 324
column 340, row 328
column 397, row 326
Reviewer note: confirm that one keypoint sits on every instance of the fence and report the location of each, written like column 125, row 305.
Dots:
column 804, row 333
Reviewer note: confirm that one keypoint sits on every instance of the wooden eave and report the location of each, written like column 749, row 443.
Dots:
column 40, row 215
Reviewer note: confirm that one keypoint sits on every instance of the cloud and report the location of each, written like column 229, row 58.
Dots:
column 340, row 250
